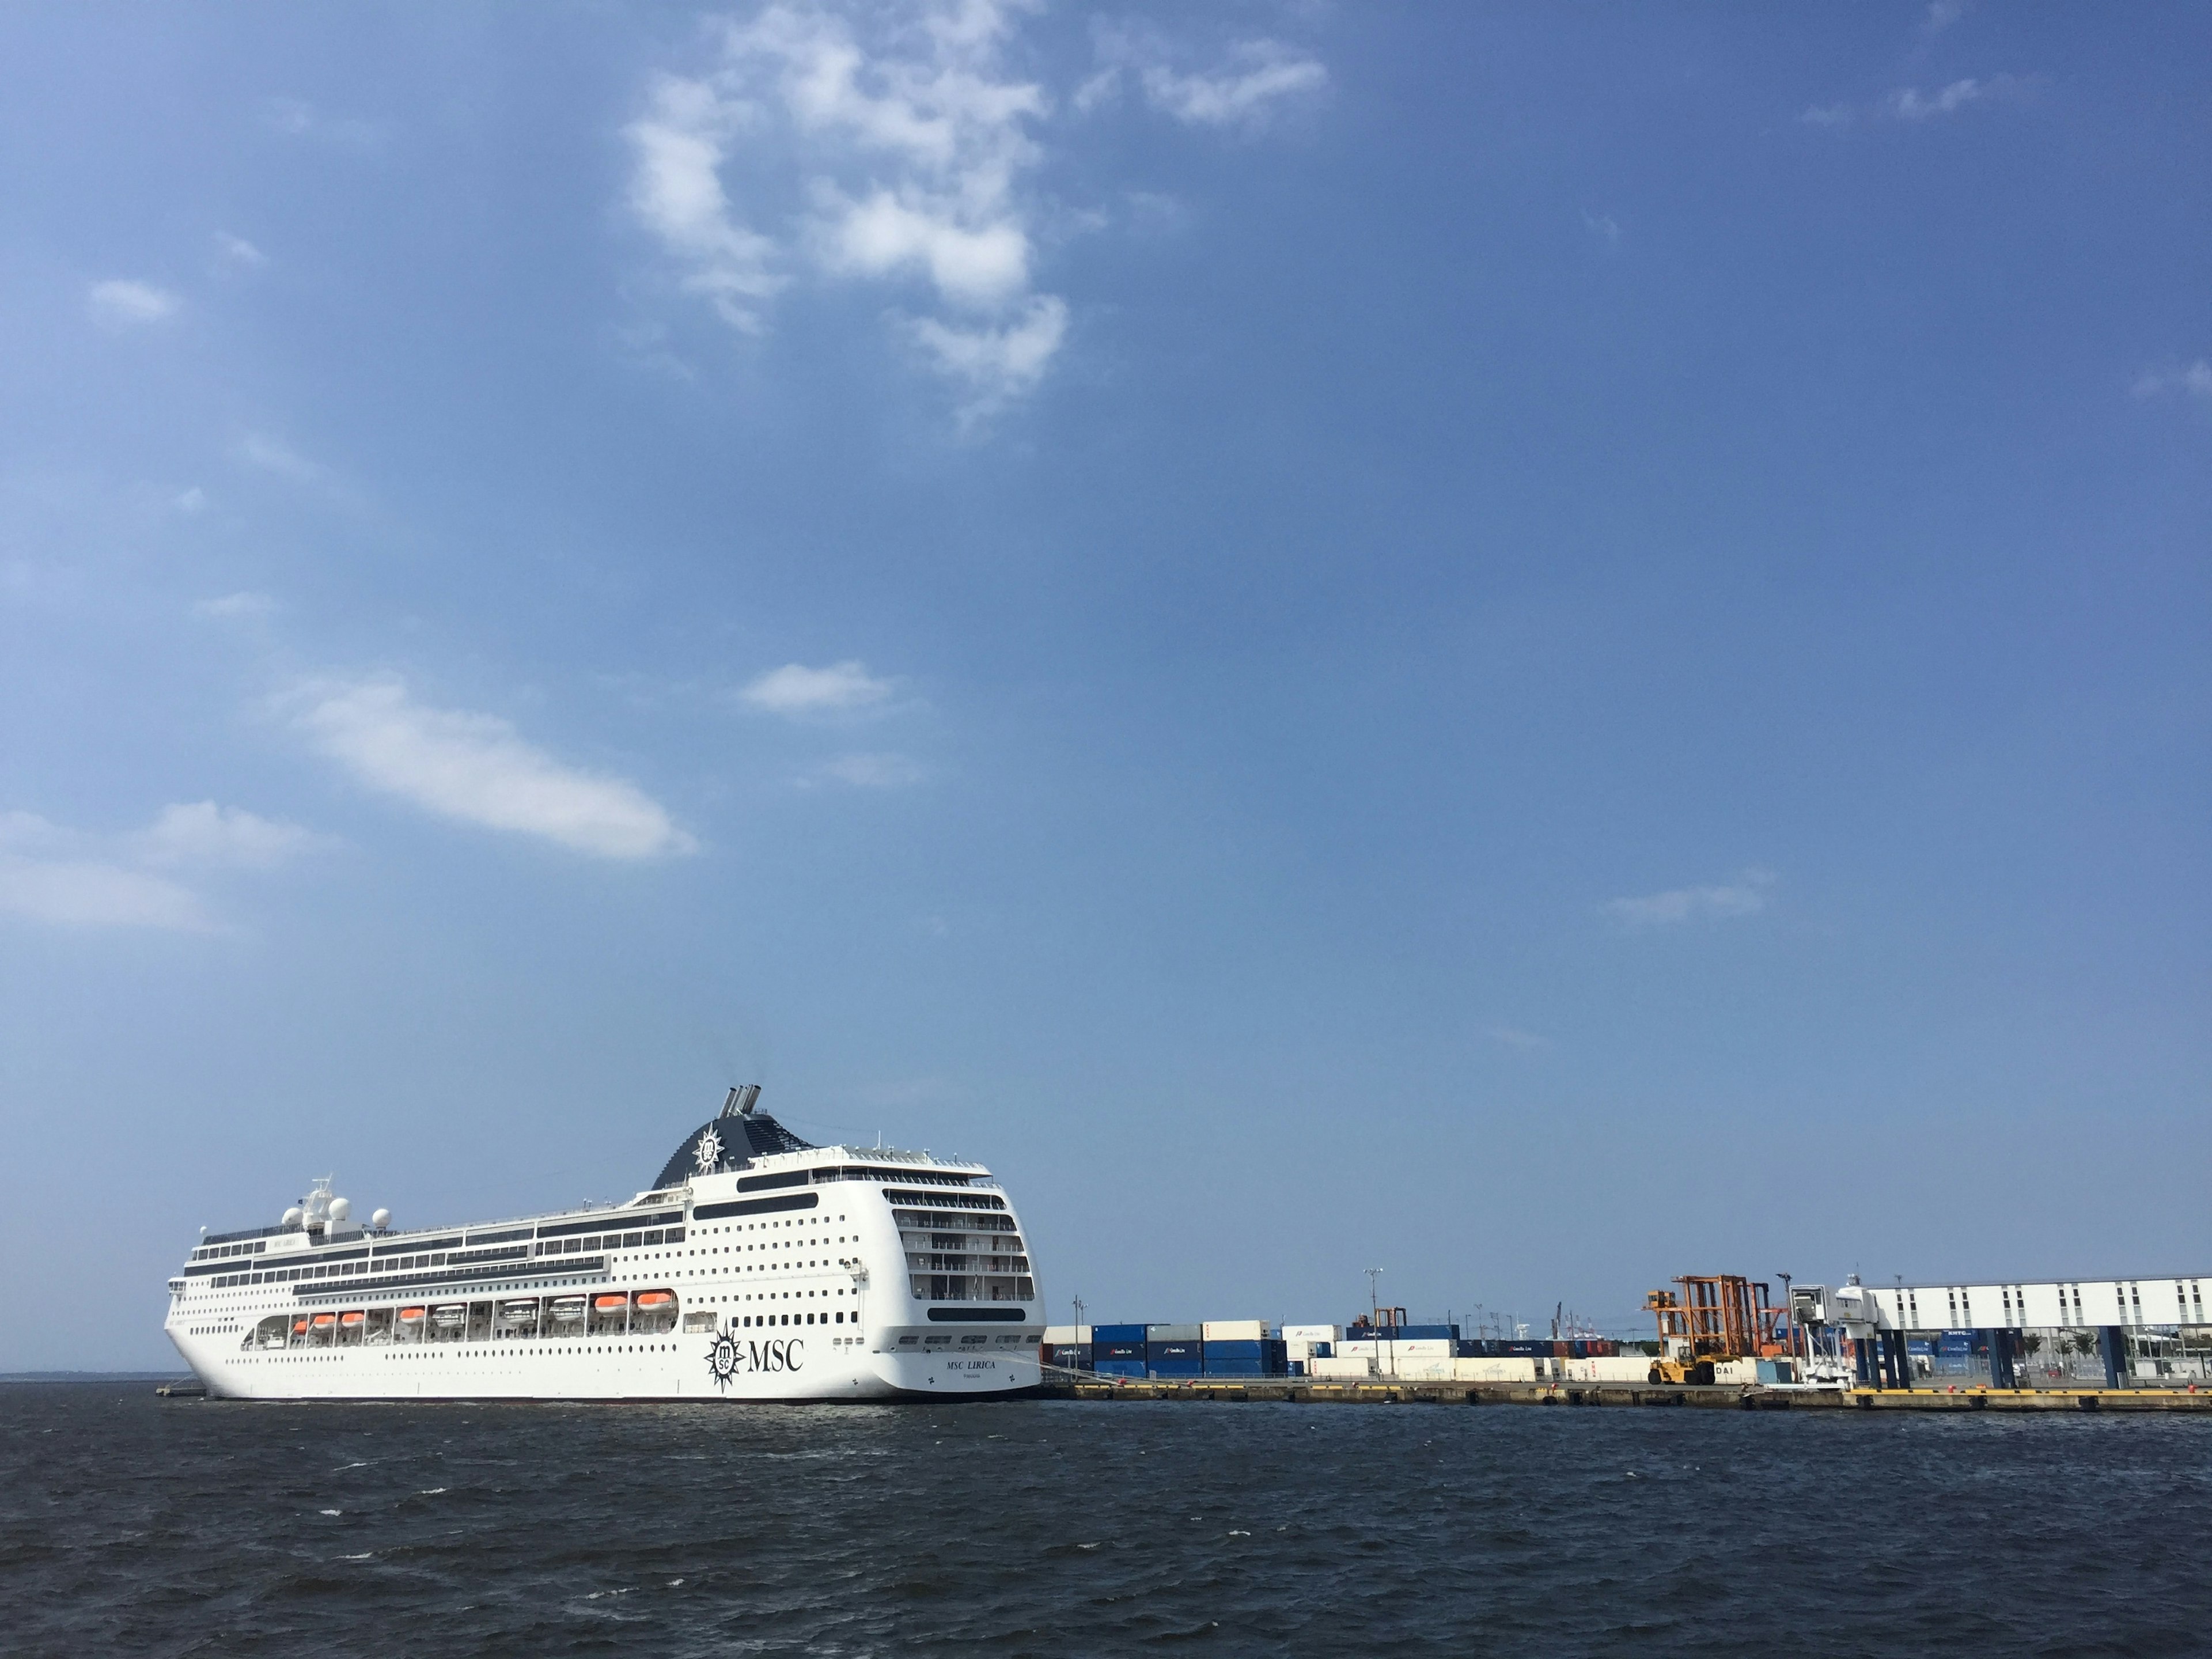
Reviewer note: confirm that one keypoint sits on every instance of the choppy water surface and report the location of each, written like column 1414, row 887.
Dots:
column 130, row 1525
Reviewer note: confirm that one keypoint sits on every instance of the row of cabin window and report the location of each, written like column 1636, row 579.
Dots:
column 509, row 1319
column 636, row 1241
column 217, row 1252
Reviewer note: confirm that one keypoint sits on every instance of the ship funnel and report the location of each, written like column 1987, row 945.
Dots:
column 740, row 1102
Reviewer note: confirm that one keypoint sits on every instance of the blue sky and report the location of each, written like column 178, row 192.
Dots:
column 1536, row 648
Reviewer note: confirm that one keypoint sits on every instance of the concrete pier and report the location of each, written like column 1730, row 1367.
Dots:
column 1747, row 1397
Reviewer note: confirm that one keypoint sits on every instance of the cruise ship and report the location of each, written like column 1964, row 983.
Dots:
column 757, row 1267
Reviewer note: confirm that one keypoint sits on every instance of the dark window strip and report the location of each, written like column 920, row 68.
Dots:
column 945, row 1201
column 979, row 1316
column 614, row 1219
column 756, row 1206
column 760, row 1184
column 312, row 1293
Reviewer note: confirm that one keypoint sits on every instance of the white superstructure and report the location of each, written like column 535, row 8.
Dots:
column 757, row 1267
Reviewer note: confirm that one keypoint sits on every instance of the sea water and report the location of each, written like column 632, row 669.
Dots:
column 131, row 1524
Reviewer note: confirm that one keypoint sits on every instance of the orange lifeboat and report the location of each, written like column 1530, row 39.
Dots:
column 351, row 1322
column 411, row 1315
column 655, row 1301
column 323, row 1322
column 608, row 1303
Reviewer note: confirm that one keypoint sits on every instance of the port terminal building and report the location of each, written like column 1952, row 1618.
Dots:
column 2108, row 1333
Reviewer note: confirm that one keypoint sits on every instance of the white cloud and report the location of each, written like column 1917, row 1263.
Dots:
column 998, row 363
column 238, row 252
column 478, row 770
column 1914, row 106
column 2195, row 379
column 1942, row 14
column 121, row 302
column 1745, row 896
column 202, row 833
column 1512, row 1036
column 239, row 607
column 1244, row 92
column 298, row 118
column 191, row 500
column 1604, row 227
column 69, row 878
column 897, row 143
column 871, row 771
column 1911, row 104
column 795, row 688
column 257, row 449
column 71, row 893
column 676, row 191
column 911, row 141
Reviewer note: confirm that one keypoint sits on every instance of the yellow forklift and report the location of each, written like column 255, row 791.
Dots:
column 1712, row 1319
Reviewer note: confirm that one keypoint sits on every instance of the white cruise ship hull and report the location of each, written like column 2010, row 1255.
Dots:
column 758, row 1267
column 669, row 1368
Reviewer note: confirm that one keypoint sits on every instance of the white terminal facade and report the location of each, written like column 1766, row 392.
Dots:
column 757, row 1267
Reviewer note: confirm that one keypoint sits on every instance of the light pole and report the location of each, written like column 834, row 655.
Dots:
column 1375, row 1312
column 1789, row 1312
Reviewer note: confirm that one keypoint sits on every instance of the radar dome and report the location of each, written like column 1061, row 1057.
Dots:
column 381, row 1219
column 294, row 1216
column 341, row 1209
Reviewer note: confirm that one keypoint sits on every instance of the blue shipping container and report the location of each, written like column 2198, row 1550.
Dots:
column 1177, row 1368
column 1234, row 1367
column 1119, row 1367
column 1234, row 1350
column 1117, row 1333
column 1192, row 1351
column 1118, row 1351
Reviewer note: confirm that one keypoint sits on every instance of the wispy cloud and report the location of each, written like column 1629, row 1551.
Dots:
column 1940, row 14
column 1914, row 106
column 72, row 878
column 1604, row 227
column 237, row 607
column 122, row 303
column 1512, row 1036
column 1244, row 89
column 201, row 833
column 869, row 771
column 912, row 140
column 1746, row 896
column 677, row 192
column 898, row 144
column 295, row 118
column 272, row 455
column 1911, row 104
column 237, row 250
column 2193, row 379
column 477, row 769
column 795, row 688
